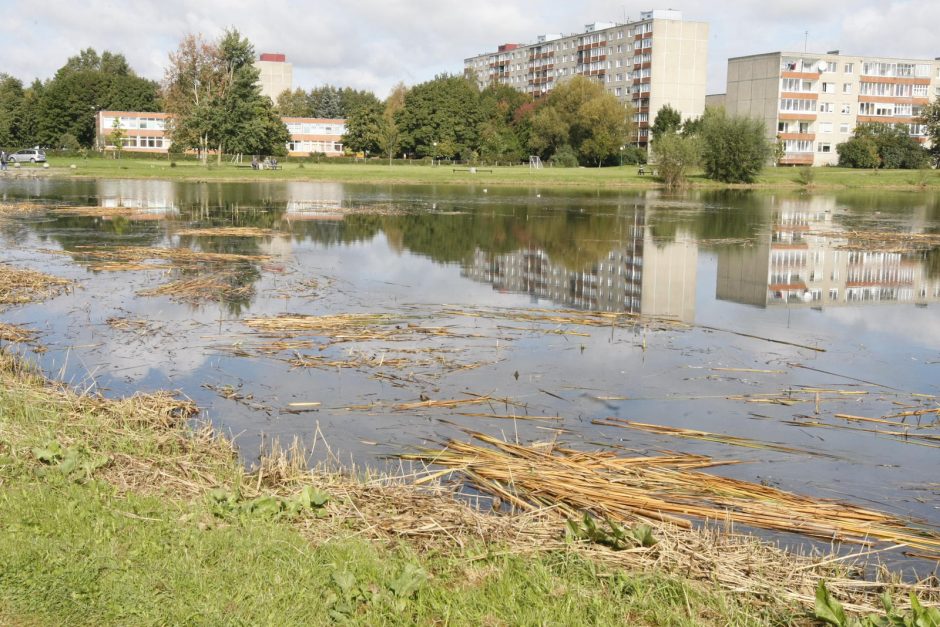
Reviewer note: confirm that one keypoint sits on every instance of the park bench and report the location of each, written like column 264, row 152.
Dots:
column 644, row 169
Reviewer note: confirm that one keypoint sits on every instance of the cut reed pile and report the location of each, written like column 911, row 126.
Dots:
column 18, row 286
column 571, row 317
column 226, row 231
column 21, row 208
column 16, row 334
column 213, row 287
column 667, row 488
column 106, row 212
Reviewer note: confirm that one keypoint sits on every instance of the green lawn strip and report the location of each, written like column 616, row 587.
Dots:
column 625, row 177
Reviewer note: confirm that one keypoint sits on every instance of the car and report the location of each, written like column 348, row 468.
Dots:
column 31, row 155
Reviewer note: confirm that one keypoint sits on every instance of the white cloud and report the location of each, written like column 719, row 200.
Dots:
column 373, row 44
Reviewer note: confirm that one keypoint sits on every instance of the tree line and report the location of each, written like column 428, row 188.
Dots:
column 578, row 122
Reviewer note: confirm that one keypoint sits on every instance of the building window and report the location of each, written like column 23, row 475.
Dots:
column 846, row 109
column 844, row 128
column 825, row 127
column 824, row 147
column 846, row 88
column 848, row 68
column 920, row 91
column 829, row 88
column 831, row 66
column 826, row 107
column 781, row 127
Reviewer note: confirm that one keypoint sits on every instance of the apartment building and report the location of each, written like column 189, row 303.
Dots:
column 813, row 102
column 276, row 74
column 809, row 260
column 657, row 60
column 147, row 132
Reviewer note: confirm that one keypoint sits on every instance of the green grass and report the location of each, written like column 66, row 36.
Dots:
column 423, row 174
column 108, row 517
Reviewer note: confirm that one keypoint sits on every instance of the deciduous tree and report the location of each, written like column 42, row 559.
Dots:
column 734, row 148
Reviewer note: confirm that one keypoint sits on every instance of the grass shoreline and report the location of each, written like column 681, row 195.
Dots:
column 614, row 178
column 114, row 507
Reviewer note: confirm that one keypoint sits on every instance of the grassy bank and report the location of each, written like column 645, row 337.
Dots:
column 117, row 512
column 422, row 174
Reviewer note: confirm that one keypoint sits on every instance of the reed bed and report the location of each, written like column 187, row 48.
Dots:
column 20, row 286
column 226, row 231
column 882, row 241
column 666, row 488
column 213, row 287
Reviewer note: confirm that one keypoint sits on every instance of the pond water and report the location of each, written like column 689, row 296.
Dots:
column 758, row 301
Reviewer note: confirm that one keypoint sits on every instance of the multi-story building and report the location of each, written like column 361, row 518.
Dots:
column 277, row 74
column 147, row 132
column 813, row 102
column 807, row 259
column 657, row 60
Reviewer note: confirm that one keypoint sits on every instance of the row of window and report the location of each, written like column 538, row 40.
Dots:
column 314, row 146
column 304, row 128
column 134, row 123
column 873, row 68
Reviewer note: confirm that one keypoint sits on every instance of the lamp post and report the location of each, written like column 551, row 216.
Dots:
column 434, row 155
column 621, row 155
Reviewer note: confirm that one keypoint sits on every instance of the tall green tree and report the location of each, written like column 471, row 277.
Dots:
column 607, row 124
column 363, row 128
column 11, row 106
column 192, row 86
column 86, row 84
column 389, row 133
column 441, row 118
column 930, row 114
column 295, row 104
column 668, row 120
column 734, row 148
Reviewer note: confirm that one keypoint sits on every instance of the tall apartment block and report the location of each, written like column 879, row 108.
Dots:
column 658, row 60
column 276, row 74
column 813, row 102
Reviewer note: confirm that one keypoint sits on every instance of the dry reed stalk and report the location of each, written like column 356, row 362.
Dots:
column 695, row 434
column 138, row 254
column 671, row 489
column 16, row 334
column 19, row 286
column 213, row 287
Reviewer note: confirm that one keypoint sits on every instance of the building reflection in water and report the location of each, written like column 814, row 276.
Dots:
column 809, row 260
column 638, row 275
column 153, row 198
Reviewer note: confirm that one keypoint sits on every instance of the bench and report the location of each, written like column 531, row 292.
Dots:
column 646, row 168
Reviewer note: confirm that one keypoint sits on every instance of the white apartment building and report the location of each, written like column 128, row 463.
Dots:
column 813, row 102
column 657, row 60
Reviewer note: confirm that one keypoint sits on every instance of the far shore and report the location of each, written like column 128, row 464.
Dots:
column 626, row 177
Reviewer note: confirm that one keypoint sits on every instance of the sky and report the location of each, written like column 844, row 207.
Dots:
column 374, row 44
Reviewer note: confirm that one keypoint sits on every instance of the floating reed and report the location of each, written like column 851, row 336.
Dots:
column 139, row 254
column 882, row 241
column 226, row 231
column 705, row 436
column 348, row 327
column 18, row 286
column 16, row 334
column 668, row 488
column 214, row 287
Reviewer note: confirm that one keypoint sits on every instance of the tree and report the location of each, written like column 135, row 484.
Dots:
column 86, row 84
column 326, row 102
column 362, row 129
column 930, row 114
column 295, row 104
column 675, row 154
column 734, row 149
column 880, row 145
column 441, row 118
column 668, row 120
column 389, row 134
column 117, row 137
column 11, row 104
column 607, row 124
column 213, row 93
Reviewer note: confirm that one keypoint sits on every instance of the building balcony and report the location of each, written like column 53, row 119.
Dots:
column 797, row 136
column 796, row 116
column 797, row 158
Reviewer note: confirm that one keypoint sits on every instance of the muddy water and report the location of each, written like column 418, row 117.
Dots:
column 731, row 271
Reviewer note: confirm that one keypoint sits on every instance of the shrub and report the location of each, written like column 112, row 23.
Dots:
column 858, row 152
column 565, row 157
column 675, row 154
column 734, row 148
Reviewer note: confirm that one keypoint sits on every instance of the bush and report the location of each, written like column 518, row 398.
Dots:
column 69, row 143
column 675, row 154
column 634, row 155
column 806, row 176
column 880, row 145
column 858, row 152
column 565, row 157
column 734, row 148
